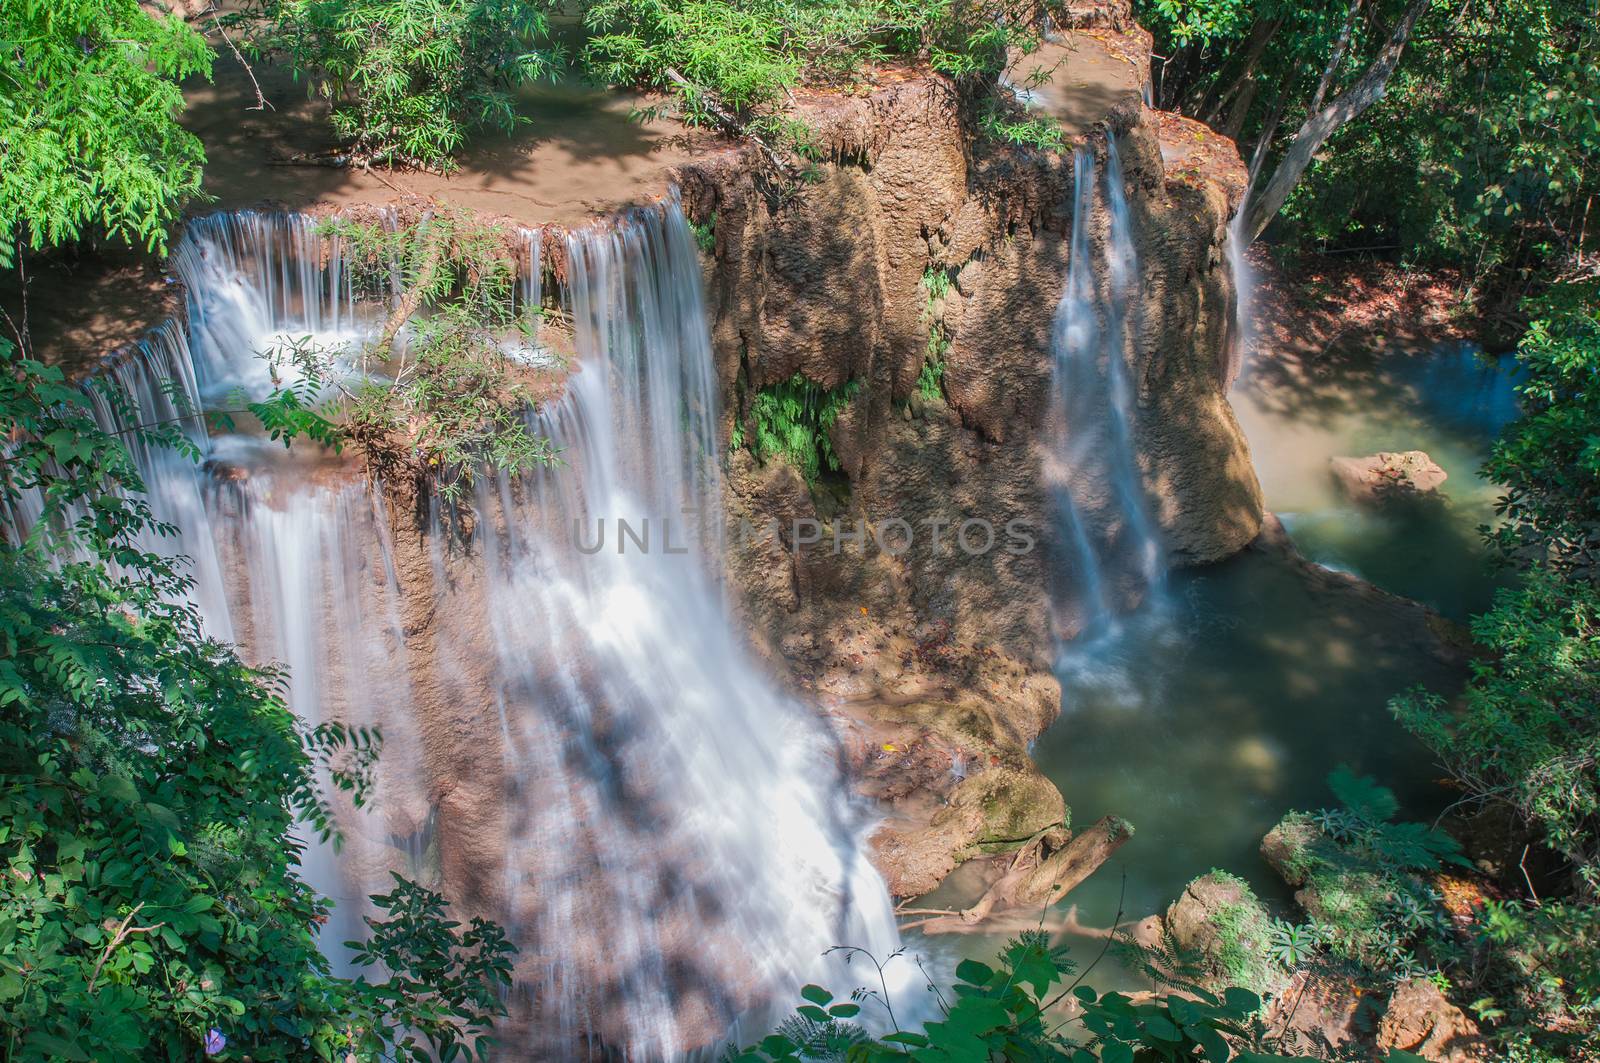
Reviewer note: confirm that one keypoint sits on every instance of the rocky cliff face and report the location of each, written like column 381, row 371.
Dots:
column 934, row 650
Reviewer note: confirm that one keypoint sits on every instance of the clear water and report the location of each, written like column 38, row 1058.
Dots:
column 1449, row 402
column 1204, row 721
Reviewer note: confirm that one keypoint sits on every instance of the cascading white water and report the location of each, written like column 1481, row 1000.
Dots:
column 678, row 847
column 1244, row 285
column 1110, row 533
column 685, row 846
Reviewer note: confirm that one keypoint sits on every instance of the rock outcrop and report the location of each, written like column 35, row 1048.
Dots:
column 1421, row 1021
column 1219, row 919
column 1385, row 475
column 910, row 250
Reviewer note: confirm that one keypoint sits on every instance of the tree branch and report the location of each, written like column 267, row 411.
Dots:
column 1260, row 208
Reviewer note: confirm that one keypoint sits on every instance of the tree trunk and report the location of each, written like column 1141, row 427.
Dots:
column 1261, row 207
column 1260, row 36
column 1234, row 124
column 1335, row 58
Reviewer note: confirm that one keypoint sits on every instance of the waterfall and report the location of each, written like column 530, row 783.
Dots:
column 1244, row 282
column 675, row 806
column 580, row 733
column 1110, row 534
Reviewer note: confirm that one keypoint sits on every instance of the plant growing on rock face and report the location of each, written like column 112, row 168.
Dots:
column 409, row 79
column 792, row 420
column 936, row 284
column 1367, row 881
column 435, row 390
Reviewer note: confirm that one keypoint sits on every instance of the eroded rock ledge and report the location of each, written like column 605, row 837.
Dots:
column 937, row 661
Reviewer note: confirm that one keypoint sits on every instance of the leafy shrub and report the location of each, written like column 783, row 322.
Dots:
column 1008, row 1012
column 1527, row 734
column 1367, row 885
column 409, row 79
column 792, row 420
column 1549, row 458
column 1008, row 122
column 448, row 400
column 743, row 57
column 89, row 137
column 149, row 781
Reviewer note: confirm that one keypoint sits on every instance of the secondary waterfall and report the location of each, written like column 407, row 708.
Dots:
column 575, row 741
column 1110, row 534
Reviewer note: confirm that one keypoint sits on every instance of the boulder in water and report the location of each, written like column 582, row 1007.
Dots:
column 1388, row 475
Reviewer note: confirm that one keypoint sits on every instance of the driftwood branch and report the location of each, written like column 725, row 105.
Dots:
column 1034, row 879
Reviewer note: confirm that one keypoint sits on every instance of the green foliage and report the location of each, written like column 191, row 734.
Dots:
column 149, row 781
column 1242, row 939
column 744, row 57
column 1013, row 125
column 1489, row 134
column 1023, row 1008
column 793, row 420
column 1525, row 734
column 936, row 284
column 1549, row 458
column 1527, row 731
column 1368, row 885
column 1481, row 154
column 705, row 233
column 445, row 397
column 410, row 79
column 89, row 138
column 444, row 987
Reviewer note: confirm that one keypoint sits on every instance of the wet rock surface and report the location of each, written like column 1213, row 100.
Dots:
column 1421, row 1021
column 908, row 250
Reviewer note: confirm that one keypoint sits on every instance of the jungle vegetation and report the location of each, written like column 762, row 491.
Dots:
column 149, row 906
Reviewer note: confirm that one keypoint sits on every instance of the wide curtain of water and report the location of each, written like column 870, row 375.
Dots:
column 574, row 737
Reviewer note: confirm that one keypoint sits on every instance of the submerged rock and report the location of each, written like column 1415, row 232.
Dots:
column 1387, row 475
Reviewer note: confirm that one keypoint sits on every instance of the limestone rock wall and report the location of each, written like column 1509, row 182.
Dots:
column 827, row 282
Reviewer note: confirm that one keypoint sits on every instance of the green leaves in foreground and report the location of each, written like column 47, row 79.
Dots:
column 151, row 784
column 89, row 134
column 1022, row 1008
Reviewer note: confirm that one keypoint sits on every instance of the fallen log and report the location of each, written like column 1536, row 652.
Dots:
column 1032, row 885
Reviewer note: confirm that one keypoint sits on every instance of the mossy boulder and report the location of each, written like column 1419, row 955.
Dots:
column 1221, row 921
column 1001, row 807
column 990, row 811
